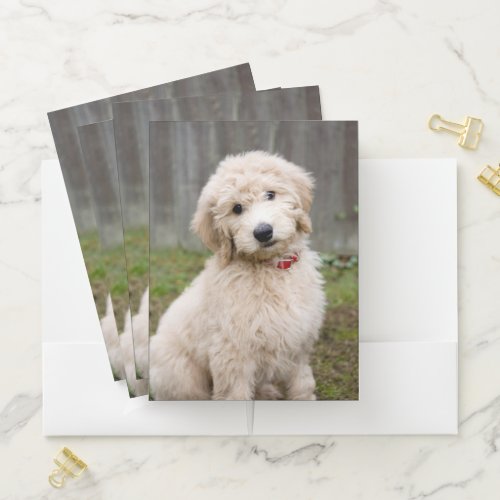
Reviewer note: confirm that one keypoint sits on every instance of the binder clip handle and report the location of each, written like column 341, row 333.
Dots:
column 437, row 122
column 57, row 478
column 469, row 133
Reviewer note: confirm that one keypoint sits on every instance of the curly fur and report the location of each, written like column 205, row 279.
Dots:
column 244, row 329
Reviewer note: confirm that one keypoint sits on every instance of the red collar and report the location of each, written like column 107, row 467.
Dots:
column 286, row 261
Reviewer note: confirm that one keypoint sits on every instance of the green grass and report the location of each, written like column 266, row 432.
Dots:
column 96, row 270
column 137, row 245
column 335, row 357
column 107, row 271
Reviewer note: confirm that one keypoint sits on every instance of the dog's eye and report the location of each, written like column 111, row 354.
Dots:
column 237, row 209
column 270, row 195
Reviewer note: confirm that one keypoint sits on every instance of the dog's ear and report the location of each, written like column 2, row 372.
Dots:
column 303, row 185
column 304, row 223
column 226, row 247
column 204, row 225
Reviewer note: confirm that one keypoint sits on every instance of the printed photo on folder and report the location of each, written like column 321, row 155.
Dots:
column 253, row 260
column 64, row 124
column 98, row 149
column 131, row 131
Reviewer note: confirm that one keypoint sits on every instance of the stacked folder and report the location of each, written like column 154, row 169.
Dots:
column 122, row 248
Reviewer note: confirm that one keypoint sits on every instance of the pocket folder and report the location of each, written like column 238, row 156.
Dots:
column 408, row 326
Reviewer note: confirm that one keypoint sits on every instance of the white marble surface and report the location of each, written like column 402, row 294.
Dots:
column 390, row 65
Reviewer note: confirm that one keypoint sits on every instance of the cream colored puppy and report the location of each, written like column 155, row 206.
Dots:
column 245, row 327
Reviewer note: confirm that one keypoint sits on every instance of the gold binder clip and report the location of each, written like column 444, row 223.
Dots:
column 468, row 133
column 490, row 177
column 68, row 465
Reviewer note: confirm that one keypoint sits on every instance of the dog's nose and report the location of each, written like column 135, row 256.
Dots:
column 263, row 232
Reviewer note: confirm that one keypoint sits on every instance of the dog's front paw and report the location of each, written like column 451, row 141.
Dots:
column 269, row 392
column 310, row 397
column 239, row 392
column 302, row 385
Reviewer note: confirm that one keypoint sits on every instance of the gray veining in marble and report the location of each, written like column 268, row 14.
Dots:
column 390, row 65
